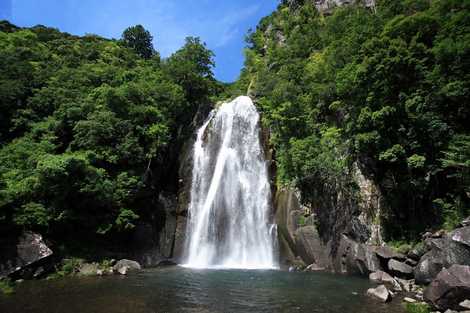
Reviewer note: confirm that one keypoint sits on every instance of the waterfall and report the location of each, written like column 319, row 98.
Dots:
column 229, row 223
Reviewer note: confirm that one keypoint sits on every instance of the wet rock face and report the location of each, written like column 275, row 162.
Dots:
column 450, row 288
column 288, row 213
column 29, row 257
column 185, row 161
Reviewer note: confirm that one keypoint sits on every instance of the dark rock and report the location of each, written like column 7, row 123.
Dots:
column 309, row 246
column 288, row 212
column 145, row 248
column 407, row 285
column 180, row 239
column 29, row 257
column 381, row 293
column 167, row 262
column 449, row 288
column 380, row 277
column 465, row 222
column 166, row 236
column 417, row 252
column 411, row 262
column 388, row 253
column 443, row 252
column 426, row 235
column 400, row 269
column 355, row 258
column 461, row 235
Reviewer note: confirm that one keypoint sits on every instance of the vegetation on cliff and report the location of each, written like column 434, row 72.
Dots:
column 89, row 127
column 387, row 89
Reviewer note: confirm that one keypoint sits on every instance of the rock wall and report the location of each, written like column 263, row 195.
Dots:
column 336, row 230
column 326, row 6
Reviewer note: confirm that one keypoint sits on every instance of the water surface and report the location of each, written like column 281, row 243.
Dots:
column 180, row 290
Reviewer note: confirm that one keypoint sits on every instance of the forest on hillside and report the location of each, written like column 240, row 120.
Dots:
column 387, row 88
column 90, row 128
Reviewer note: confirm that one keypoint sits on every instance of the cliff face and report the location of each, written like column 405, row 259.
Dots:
column 336, row 227
column 326, row 6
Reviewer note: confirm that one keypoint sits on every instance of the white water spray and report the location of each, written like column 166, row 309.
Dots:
column 229, row 214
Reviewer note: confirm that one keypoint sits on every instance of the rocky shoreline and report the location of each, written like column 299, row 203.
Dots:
column 436, row 273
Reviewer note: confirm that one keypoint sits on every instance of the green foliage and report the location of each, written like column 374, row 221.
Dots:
column 68, row 267
column 89, row 127
column 417, row 308
column 125, row 219
column 400, row 246
column 6, row 287
column 140, row 40
column 386, row 88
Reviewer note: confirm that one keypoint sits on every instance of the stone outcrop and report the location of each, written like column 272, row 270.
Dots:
column 153, row 240
column 400, row 269
column 326, row 6
column 450, row 288
column 309, row 246
column 28, row 257
column 185, row 162
column 443, row 252
column 337, row 231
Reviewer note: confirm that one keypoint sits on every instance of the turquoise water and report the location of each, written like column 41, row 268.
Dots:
column 180, row 290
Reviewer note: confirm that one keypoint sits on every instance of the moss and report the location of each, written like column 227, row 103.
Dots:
column 6, row 287
column 417, row 308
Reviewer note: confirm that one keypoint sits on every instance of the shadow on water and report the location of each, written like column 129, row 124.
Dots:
column 176, row 289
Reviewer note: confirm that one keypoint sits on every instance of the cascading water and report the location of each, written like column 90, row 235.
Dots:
column 230, row 212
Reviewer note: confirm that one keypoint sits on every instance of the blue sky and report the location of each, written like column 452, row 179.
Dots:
column 222, row 24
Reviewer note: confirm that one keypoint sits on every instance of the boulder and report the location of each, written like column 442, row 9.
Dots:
column 355, row 258
column 450, row 288
column 287, row 217
column 407, row 285
column 381, row 293
column 465, row 222
column 442, row 253
column 309, row 246
column 400, row 269
column 411, row 262
column 388, row 253
column 123, row 266
column 28, row 257
column 417, row 252
column 380, row 277
column 462, row 236
column 465, row 304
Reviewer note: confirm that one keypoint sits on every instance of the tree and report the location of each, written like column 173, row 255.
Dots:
column 139, row 39
column 191, row 67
